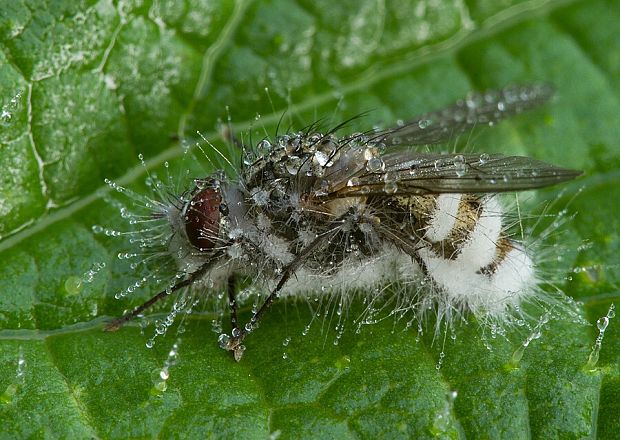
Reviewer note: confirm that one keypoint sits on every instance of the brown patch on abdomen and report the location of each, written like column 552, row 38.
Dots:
column 503, row 246
column 468, row 214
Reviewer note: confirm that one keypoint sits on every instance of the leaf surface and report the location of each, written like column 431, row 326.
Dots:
column 88, row 85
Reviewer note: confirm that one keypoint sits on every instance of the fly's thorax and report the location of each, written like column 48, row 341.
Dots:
column 339, row 207
column 308, row 162
column 300, row 155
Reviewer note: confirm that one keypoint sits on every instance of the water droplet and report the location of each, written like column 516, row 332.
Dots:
column 460, row 166
column 6, row 116
column 601, row 324
column 424, row 123
column 223, row 340
column 484, row 158
column 320, row 158
column 354, row 181
column 73, row 285
column 390, row 187
column 370, row 153
column 375, row 165
column 164, row 374
column 292, row 165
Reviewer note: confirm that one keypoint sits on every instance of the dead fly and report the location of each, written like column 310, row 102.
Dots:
column 311, row 209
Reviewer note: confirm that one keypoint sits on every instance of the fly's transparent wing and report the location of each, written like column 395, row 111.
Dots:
column 476, row 109
column 410, row 173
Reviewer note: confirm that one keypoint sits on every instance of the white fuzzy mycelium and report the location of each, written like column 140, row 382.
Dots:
column 463, row 279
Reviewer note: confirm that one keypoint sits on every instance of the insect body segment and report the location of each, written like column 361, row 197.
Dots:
column 312, row 210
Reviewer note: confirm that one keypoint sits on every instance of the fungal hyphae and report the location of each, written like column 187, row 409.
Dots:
column 317, row 214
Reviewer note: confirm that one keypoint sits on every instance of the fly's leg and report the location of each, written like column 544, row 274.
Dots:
column 114, row 325
column 234, row 343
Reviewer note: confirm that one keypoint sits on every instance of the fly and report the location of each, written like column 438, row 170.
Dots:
column 312, row 208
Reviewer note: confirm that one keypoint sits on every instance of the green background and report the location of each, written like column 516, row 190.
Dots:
column 102, row 81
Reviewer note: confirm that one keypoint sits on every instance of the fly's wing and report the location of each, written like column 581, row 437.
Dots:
column 411, row 173
column 476, row 109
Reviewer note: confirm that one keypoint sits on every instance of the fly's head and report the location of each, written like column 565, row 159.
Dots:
column 202, row 214
column 198, row 222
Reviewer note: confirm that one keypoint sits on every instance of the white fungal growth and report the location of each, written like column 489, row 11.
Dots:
column 443, row 217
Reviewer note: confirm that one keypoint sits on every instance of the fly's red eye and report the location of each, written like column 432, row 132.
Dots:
column 202, row 218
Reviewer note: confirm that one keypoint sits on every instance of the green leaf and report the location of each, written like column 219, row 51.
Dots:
column 86, row 86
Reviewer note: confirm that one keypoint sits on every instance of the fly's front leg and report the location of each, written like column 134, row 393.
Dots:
column 118, row 322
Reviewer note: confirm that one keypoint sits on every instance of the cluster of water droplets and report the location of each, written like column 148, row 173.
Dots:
column 495, row 103
column 224, row 339
column 75, row 284
column 148, row 231
column 460, row 165
column 183, row 305
column 536, row 333
column 601, row 324
column 285, row 343
column 298, row 153
column 131, row 288
column 476, row 109
column 7, row 112
column 591, row 271
column 10, row 393
column 161, row 375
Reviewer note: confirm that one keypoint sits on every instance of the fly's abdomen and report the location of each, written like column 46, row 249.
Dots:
column 469, row 256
